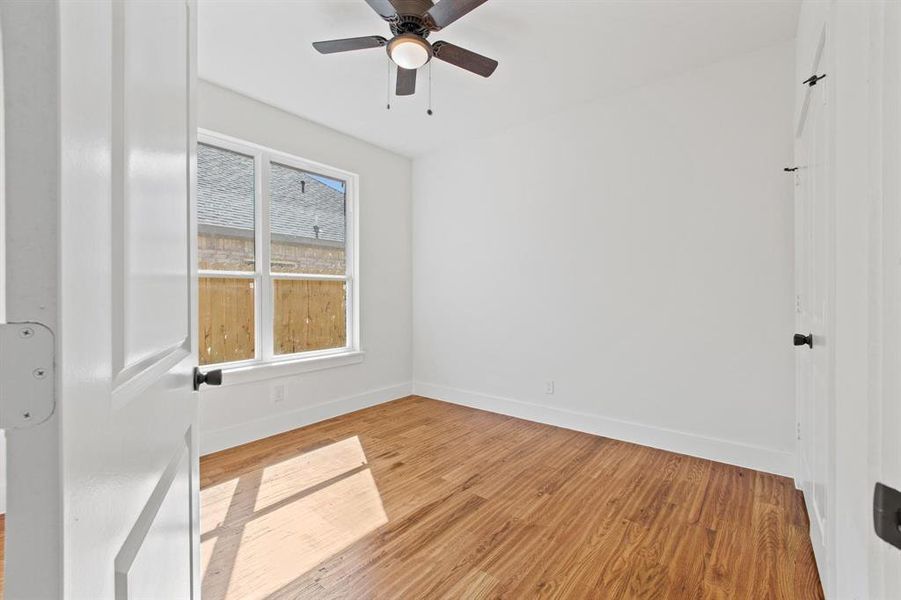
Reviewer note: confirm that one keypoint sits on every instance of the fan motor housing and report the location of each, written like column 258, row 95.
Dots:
column 410, row 24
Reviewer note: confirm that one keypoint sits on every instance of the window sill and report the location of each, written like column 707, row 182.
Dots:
column 287, row 368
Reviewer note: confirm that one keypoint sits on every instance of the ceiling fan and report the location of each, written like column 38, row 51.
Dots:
column 411, row 22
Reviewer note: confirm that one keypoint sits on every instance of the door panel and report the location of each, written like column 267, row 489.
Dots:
column 150, row 135
column 815, row 285
column 160, row 541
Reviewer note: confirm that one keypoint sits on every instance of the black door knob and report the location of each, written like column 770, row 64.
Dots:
column 213, row 377
column 804, row 340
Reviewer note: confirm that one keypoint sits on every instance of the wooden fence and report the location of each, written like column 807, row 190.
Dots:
column 308, row 315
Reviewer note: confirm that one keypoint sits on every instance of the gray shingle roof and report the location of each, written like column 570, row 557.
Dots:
column 299, row 201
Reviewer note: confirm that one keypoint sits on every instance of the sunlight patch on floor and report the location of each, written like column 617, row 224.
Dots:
column 268, row 527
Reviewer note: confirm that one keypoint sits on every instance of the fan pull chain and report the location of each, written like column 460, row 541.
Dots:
column 388, row 88
column 429, row 112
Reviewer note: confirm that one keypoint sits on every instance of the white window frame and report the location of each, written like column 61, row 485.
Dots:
column 266, row 363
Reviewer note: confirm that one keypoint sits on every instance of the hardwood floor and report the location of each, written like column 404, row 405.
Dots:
column 422, row 499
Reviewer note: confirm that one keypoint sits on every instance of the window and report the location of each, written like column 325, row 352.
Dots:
column 275, row 255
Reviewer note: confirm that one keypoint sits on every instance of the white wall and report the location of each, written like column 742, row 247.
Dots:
column 235, row 414
column 637, row 251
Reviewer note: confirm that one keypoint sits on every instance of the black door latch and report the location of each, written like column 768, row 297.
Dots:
column 803, row 340
column 887, row 514
column 213, row 377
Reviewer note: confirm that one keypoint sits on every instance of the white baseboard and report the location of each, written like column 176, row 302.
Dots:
column 733, row 453
column 229, row 437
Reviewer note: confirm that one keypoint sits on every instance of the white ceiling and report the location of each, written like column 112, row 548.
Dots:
column 553, row 54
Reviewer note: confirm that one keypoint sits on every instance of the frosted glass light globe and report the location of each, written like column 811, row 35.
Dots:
column 409, row 51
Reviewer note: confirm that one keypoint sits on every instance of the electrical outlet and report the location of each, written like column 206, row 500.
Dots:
column 549, row 387
column 278, row 393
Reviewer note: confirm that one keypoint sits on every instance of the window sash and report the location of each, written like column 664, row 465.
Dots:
column 263, row 276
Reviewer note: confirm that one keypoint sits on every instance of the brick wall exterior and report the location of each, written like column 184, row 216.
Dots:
column 218, row 252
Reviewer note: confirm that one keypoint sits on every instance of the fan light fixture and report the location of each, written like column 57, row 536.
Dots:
column 409, row 51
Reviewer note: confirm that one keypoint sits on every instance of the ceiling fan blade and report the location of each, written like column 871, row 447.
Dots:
column 465, row 59
column 360, row 43
column 384, row 8
column 447, row 11
column 406, row 82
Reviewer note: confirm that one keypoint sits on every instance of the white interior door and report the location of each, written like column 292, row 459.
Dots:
column 126, row 410
column 815, row 287
column 130, row 472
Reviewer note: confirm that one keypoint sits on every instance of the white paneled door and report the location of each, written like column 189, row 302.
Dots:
column 814, row 255
column 121, row 102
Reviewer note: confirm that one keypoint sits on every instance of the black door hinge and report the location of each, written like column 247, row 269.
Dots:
column 812, row 80
column 887, row 514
